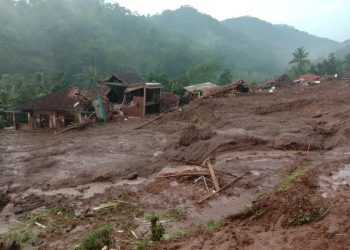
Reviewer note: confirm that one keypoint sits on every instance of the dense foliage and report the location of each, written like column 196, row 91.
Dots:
column 46, row 44
column 330, row 66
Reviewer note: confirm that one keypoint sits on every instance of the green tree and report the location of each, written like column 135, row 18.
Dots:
column 346, row 64
column 204, row 72
column 225, row 77
column 300, row 62
column 329, row 66
column 89, row 77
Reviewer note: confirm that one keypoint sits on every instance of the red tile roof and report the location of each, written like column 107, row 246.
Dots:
column 309, row 77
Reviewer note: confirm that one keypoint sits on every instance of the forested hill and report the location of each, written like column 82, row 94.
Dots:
column 281, row 39
column 345, row 50
column 89, row 39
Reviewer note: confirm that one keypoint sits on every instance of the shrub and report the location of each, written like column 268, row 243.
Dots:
column 97, row 239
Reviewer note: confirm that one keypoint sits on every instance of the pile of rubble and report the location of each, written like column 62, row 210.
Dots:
column 168, row 101
column 239, row 87
column 280, row 82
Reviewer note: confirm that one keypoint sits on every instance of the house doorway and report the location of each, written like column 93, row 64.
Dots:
column 44, row 121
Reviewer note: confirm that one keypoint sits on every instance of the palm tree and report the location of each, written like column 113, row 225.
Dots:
column 89, row 77
column 300, row 61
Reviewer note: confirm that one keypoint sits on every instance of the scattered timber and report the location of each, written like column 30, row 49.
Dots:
column 150, row 122
column 75, row 126
column 223, row 188
column 156, row 119
column 217, row 170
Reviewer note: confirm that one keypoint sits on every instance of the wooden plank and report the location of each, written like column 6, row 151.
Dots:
column 201, row 165
column 213, row 176
column 182, row 174
column 221, row 189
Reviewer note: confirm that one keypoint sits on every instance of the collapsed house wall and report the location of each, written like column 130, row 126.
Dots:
column 136, row 108
column 133, row 95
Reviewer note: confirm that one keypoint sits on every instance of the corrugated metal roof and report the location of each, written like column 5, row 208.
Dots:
column 200, row 87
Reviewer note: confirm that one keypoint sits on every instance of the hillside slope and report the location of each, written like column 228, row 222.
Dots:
column 281, row 39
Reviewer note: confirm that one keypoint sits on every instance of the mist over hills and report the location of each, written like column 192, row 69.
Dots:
column 73, row 36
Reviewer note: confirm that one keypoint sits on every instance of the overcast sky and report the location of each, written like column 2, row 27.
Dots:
column 325, row 18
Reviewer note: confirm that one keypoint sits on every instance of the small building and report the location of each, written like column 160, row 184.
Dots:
column 194, row 92
column 133, row 95
column 54, row 111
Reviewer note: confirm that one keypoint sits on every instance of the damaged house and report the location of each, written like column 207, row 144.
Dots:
column 55, row 111
column 194, row 92
column 133, row 95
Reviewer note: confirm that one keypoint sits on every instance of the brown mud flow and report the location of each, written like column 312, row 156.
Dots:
column 58, row 189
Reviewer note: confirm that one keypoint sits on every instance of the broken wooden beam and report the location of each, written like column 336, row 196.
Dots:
column 223, row 188
column 182, row 174
column 201, row 165
column 74, row 126
column 213, row 176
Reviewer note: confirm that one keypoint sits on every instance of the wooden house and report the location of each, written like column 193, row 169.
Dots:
column 133, row 95
column 54, row 111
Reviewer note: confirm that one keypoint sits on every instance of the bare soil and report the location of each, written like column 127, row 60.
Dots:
column 59, row 179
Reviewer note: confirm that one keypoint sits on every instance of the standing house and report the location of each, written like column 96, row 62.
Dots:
column 133, row 95
column 56, row 110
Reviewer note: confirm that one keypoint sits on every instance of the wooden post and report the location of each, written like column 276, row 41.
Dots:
column 213, row 176
column 80, row 118
column 54, row 119
column 144, row 101
column 14, row 119
column 29, row 120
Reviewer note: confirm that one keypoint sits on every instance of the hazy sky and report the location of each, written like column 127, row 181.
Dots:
column 325, row 18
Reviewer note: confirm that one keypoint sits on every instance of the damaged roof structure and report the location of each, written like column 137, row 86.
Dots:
column 237, row 87
column 280, row 82
column 309, row 77
column 56, row 110
column 133, row 95
column 206, row 90
column 194, row 92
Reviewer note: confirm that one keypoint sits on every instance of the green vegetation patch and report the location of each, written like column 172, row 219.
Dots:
column 309, row 209
column 54, row 220
column 215, row 225
column 97, row 239
column 294, row 177
column 176, row 214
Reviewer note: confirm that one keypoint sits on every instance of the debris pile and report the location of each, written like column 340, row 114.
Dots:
column 193, row 134
column 168, row 101
column 311, row 79
column 209, row 178
column 239, row 86
column 280, row 82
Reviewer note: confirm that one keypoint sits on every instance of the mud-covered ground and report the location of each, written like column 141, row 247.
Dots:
column 298, row 134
